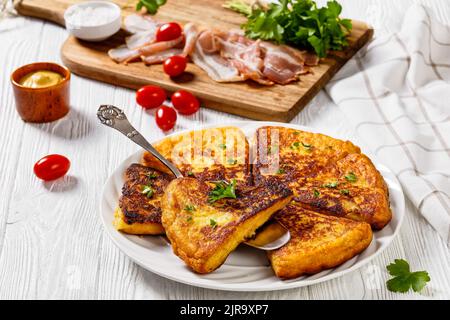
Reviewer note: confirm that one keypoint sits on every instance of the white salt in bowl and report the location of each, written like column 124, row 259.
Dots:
column 93, row 20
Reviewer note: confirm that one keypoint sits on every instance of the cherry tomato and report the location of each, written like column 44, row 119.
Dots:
column 175, row 65
column 168, row 31
column 149, row 97
column 166, row 117
column 51, row 167
column 185, row 102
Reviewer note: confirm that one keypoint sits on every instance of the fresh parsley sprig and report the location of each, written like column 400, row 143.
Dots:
column 403, row 279
column 223, row 189
column 298, row 23
column 152, row 6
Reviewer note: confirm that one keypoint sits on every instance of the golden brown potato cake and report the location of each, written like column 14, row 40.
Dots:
column 208, row 155
column 202, row 233
column 317, row 242
column 139, row 210
column 326, row 174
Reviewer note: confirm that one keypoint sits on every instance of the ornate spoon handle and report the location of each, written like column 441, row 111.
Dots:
column 114, row 117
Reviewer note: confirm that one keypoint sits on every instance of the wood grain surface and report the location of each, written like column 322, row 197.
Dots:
column 248, row 99
column 52, row 243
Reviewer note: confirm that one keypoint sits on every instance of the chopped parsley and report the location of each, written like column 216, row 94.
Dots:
column 345, row 192
column 351, row 177
column 307, row 146
column 231, row 161
column 189, row 219
column 152, row 175
column 222, row 190
column 147, row 190
column 403, row 279
column 331, row 185
column 213, row 223
column 295, row 145
column 281, row 171
column 189, row 208
column 222, row 146
column 296, row 133
column 316, row 193
column 190, row 174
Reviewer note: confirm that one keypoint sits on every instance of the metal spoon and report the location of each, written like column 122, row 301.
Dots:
column 271, row 236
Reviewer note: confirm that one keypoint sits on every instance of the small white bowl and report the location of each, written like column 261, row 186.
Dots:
column 89, row 29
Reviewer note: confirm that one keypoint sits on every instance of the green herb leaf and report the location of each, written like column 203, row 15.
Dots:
column 345, row 192
column 190, row 174
column 316, row 193
column 307, row 146
column 152, row 6
column 222, row 146
column 231, row 161
column 147, row 190
column 222, row 190
column 351, row 177
column 213, row 223
column 281, row 171
column 295, row 145
column 331, row 185
column 189, row 208
column 152, row 175
column 404, row 279
column 189, row 219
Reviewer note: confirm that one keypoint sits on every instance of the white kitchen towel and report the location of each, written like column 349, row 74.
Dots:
column 396, row 93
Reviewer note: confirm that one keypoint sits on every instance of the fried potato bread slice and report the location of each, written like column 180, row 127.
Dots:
column 139, row 210
column 327, row 175
column 351, row 187
column 202, row 233
column 317, row 241
column 209, row 155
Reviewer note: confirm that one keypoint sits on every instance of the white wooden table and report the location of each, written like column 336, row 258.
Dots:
column 52, row 244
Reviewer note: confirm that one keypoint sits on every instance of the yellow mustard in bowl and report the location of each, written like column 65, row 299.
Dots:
column 41, row 79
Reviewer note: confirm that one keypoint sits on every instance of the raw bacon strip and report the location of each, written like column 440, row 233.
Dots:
column 138, row 23
column 140, row 39
column 153, row 48
column 160, row 46
column 246, row 56
column 123, row 54
column 191, row 33
column 207, row 58
column 282, row 64
column 160, row 57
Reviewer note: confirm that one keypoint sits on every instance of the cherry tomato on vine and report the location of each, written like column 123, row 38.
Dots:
column 175, row 65
column 185, row 102
column 166, row 117
column 51, row 167
column 150, row 97
column 168, row 31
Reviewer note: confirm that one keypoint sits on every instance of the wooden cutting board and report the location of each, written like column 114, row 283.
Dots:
column 248, row 99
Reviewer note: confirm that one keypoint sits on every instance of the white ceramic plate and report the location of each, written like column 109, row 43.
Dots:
column 246, row 269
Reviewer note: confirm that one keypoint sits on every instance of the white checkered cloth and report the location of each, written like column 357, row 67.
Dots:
column 396, row 93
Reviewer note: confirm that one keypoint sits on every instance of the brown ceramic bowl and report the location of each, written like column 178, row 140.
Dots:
column 42, row 104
